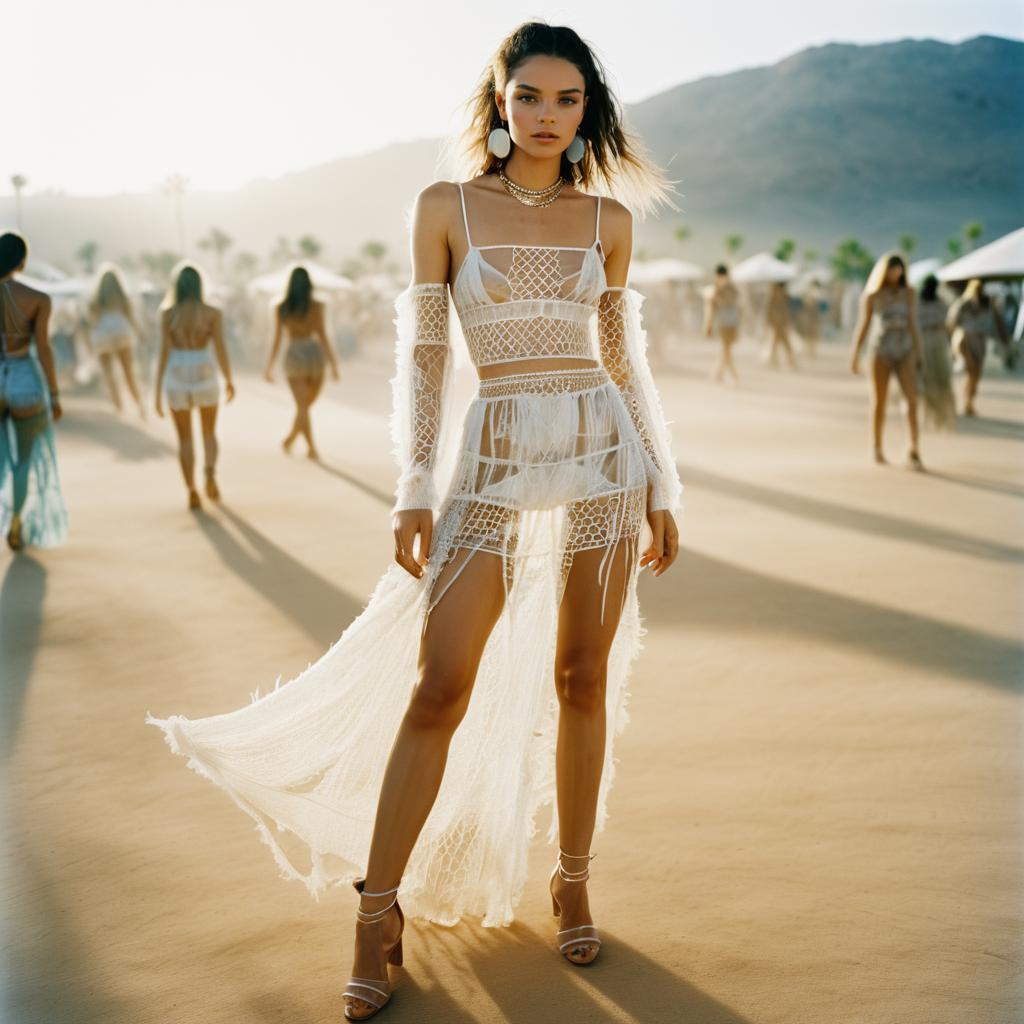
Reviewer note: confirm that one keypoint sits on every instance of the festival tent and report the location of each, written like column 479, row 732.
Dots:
column 656, row 271
column 761, row 269
column 323, row 279
column 1003, row 258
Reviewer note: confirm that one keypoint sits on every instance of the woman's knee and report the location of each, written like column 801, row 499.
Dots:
column 580, row 679
column 441, row 695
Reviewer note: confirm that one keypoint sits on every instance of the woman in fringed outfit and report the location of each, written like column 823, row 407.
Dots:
column 32, row 511
column 936, row 359
column 562, row 487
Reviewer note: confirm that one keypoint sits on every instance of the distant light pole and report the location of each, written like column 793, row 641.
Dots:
column 174, row 187
column 19, row 181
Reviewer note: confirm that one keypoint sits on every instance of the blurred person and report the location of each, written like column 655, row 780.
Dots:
column 890, row 302
column 309, row 351
column 809, row 320
column 936, row 360
column 114, row 331
column 191, row 336
column 778, row 319
column 972, row 319
column 723, row 316
column 564, row 486
column 32, row 510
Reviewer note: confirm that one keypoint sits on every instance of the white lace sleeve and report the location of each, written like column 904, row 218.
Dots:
column 623, row 346
column 421, row 391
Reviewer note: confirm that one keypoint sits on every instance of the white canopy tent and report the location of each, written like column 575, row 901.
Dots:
column 763, row 268
column 657, row 271
column 918, row 271
column 1003, row 258
column 322, row 278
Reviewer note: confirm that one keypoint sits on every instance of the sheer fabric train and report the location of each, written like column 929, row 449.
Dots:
column 547, row 464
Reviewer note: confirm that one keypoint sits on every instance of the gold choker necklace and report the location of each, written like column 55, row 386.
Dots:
column 531, row 196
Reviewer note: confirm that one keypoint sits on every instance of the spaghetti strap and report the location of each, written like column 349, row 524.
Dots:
column 597, row 225
column 465, row 218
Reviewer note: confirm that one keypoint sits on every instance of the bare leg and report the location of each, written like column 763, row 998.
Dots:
column 450, row 651
column 127, row 360
column 186, row 451
column 28, row 425
column 305, row 398
column 208, row 419
column 581, row 672
column 880, row 380
column 906, row 374
column 107, row 368
column 728, row 340
column 973, row 368
column 298, row 389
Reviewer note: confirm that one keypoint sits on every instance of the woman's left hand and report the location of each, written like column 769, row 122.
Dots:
column 665, row 543
column 229, row 390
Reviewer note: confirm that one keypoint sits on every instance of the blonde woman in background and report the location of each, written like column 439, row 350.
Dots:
column 778, row 325
column 973, row 320
column 309, row 352
column 723, row 315
column 936, row 361
column 191, row 336
column 113, row 331
column 890, row 302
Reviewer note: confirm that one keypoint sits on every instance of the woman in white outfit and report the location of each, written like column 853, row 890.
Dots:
column 191, row 348
column 114, row 332
column 486, row 677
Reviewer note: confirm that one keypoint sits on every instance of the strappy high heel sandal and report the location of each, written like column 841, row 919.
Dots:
column 375, row 992
column 583, row 939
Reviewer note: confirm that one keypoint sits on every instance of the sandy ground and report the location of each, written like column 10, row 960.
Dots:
column 817, row 816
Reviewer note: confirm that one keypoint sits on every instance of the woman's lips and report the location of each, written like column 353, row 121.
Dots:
column 544, row 137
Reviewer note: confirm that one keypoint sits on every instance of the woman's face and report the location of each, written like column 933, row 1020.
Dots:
column 543, row 104
column 893, row 273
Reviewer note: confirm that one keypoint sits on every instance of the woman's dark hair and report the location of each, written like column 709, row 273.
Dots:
column 188, row 286
column 897, row 261
column 929, row 288
column 721, row 269
column 298, row 295
column 13, row 250
column 612, row 159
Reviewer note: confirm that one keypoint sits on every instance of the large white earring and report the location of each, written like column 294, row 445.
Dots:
column 574, row 154
column 499, row 142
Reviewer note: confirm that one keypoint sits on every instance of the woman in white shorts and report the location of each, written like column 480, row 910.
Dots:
column 114, row 331
column 192, row 335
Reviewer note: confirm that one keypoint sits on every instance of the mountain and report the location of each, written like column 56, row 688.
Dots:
column 914, row 136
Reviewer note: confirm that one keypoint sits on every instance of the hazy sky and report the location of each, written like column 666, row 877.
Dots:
column 105, row 96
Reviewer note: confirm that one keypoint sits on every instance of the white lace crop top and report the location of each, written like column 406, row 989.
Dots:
column 516, row 303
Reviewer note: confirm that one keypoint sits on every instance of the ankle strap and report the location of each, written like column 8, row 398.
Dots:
column 372, row 916
column 574, row 876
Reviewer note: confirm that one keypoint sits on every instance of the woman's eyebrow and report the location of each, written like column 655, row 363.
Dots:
column 533, row 88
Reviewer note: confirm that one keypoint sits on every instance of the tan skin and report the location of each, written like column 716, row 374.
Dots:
column 35, row 306
column 724, row 293
column 125, row 356
column 201, row 325
column 304, row 390
column 905, row 371
column 971, row 365
column 545, row 94
column 778, row 324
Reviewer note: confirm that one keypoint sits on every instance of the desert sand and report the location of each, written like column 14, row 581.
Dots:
column 817, row 814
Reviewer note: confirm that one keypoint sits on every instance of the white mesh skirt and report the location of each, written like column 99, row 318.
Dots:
column 549, row 464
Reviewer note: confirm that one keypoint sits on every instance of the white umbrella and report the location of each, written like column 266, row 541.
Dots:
column 40, row 270
column 1002, row 258
column 918, row 271
column 763, row 268
column 69, row 287
column 322, row 278
column 656, row 271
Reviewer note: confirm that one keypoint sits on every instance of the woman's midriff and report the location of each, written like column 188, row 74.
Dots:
column 535, row 366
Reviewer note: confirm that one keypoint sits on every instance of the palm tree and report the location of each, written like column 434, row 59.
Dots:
column 374, row 253
column 219, row 241
column 908, row 243
column 86, row 255
column 811, row 255
column 973, row 231
column 310, row 247
column 174, row 186
column 19, row 181
column 159, row 264
column 851, row 261
column 733, row 244
column 682, row 233
column 955, row 247
column 785, row 249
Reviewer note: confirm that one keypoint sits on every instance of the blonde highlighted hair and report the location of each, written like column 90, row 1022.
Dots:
column 877, row 276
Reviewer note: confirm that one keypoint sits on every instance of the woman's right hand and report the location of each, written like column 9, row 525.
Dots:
column 407, row 524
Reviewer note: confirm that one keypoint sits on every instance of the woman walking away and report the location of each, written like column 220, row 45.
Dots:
column 32, row 508
column 889, row 302
column 192, row 334
column 114, row 332
column 302, row 318
column 936, row 360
